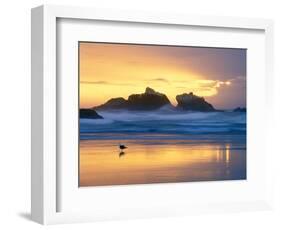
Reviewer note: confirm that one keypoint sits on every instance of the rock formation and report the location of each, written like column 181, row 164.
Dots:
column 192, row 102
column 113, row 103
column 239, row 109
column 90, row 114
column 149, row 100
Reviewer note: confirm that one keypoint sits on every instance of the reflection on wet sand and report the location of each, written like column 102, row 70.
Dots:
column 122, row 153
column 101, row 163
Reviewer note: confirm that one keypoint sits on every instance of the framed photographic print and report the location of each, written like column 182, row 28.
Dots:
column 140, row 114
column 155, row 137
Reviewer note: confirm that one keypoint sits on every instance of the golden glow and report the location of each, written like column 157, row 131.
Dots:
column 112, row 70
column 227, row 155
column 100, row 163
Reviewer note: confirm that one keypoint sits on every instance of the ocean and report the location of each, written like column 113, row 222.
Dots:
column 164, row 146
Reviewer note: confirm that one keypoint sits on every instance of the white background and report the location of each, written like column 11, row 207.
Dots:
column 186, row 196
column 15, row 114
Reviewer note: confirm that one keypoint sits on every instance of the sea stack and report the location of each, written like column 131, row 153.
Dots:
column 149, row 100
column 240, row 110
column 113, row 103
column 89, row 114
column 191, row 102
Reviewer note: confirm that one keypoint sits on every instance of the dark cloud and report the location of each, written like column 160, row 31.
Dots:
column 222, row 63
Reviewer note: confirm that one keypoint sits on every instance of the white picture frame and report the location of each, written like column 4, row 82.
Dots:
column 46, row 184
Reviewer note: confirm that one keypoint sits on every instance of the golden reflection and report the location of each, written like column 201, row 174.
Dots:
column 102, row 164
column 227, row 154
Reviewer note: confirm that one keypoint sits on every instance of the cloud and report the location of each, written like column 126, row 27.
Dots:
column 240, row 79
column 181, row 87
column 94, row 82
column 105, row 83
column 160, row 79
column 203, row 87
column 207, row 83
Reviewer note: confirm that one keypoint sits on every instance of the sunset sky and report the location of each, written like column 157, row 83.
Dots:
column 118, row 70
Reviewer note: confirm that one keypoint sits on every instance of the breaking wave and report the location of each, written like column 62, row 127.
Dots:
column 163, row 122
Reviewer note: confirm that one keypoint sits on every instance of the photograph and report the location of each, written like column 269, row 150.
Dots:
column 151, row 113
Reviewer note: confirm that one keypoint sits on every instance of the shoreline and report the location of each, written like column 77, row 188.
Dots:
column 147, row 161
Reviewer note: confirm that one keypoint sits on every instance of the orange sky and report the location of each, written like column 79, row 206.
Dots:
column 118, row 70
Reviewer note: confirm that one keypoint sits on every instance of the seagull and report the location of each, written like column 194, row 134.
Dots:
column 121, row 147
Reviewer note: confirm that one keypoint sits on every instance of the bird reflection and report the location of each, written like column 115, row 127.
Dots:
column 122, row 153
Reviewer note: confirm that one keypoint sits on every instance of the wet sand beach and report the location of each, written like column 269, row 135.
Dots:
column 167, row 159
